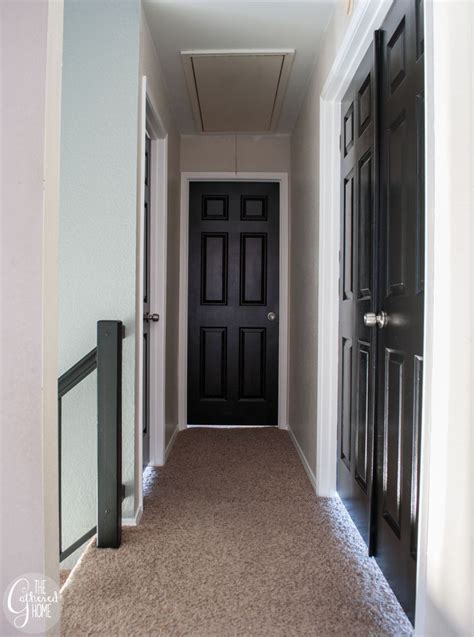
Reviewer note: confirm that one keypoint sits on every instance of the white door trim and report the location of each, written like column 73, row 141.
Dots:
column 366, row 19
column 158, row 271
column 150, row 120
column 282, row 179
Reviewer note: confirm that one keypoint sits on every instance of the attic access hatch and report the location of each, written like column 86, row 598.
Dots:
column 237, row 91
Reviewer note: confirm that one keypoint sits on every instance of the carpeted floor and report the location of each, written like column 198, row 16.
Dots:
column 234, row 542
column 63, row 575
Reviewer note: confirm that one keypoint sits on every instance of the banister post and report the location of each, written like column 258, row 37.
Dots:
column 109, row 426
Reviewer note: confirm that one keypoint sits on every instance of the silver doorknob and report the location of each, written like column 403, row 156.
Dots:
column 371, row 319
column 151, row 317
column 271, row 316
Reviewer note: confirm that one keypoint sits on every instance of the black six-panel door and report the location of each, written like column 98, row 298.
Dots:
column 401, row 277
column 233, row 303
column 382, row 280
column 357, row 342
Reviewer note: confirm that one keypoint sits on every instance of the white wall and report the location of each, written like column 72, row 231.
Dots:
column 235, row 153
column 446, row 555
column 304, row 258
column 157, row 94
column 31, row 52
column 98, row 194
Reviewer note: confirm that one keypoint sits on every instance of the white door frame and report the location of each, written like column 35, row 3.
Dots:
column 446, row 398
column 366, row 19
column 151, row 122
column 282, row 179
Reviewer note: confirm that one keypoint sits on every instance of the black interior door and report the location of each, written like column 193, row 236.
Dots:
column 146, row 304
column 401, row 284
column 382, row 296
column 356, row 294
column 233, row 303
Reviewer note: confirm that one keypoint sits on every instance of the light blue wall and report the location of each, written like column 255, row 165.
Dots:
column 97, row 248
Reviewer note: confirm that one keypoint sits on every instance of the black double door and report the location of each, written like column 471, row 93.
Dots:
column 233, row 303
column 382, row 296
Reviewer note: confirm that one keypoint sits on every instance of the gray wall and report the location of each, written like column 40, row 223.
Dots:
column 98, row 192
column 304, row 232
column 107, row 48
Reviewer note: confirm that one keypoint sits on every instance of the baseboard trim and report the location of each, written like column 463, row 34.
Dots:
column 303, row 459
column 135, row 520
column 170, row 444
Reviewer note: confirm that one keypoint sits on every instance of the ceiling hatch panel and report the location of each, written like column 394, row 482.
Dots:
column 237, row 91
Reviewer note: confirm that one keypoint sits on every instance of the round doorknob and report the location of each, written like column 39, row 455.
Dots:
column 372, row 320
column 271, row 316
column 151, row 317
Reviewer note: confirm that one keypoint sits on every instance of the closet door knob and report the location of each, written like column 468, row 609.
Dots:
column 376, row 320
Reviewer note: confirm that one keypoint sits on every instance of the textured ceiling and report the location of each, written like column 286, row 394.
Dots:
column 186, row 25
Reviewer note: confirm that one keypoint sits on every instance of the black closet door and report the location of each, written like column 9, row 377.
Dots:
column 382, row 296
column 401, row 285
column 356, row 294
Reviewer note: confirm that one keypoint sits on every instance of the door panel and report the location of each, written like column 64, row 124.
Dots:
column 400, row 343
column 356, row 395
column 253, row 269
column 346, row 403
column 415, row 457
column 348, row 207
column 252, row 363
column 233, row 285
column 213, row 363
column 396, row 146
column 363, row 414
column 214, row 268
column 392, row 437
column 364, row 231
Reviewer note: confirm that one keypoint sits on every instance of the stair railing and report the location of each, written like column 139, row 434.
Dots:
column 107, row 359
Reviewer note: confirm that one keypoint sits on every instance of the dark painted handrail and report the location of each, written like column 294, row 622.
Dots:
column 109, row 430
column 77, row 372
column 107, row 359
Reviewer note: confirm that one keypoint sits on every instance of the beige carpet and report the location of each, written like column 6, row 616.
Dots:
column 63, row 575
column 233, row 541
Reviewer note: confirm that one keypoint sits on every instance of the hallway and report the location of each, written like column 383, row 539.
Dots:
column 233, row 542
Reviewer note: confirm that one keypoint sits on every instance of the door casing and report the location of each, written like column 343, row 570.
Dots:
column 282, row 179
column 366, row 19
column 150, row 121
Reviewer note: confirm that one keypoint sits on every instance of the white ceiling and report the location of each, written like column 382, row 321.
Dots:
column 185, row 25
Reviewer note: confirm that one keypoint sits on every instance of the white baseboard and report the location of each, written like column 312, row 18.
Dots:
column 170, row 444
column 303, row 459
column 135, row 520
